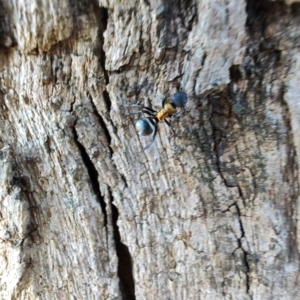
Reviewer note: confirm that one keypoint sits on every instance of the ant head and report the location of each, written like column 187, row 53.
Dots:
column 145, row 126
column 179, row 99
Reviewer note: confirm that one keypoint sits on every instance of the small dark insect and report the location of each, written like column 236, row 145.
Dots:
column 148, row 125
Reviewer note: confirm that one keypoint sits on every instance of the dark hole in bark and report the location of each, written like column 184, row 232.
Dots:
column 235, row 73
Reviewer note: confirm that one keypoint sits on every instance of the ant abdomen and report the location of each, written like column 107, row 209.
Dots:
column 144, row 126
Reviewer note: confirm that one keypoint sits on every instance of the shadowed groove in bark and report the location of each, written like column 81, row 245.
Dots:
column 125, row 261
column 217, row 136
column 291, row 175
column 241, row 247
column 170, row 15
column 107, row 99
column 102, row 17
column 6, row 36
column 124, row 258
column 235, row 73
column 93, row 175
column 24, row 183
column 259, row 15
column 102, row 122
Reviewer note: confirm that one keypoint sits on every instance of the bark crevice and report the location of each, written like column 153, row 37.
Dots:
column 102, row 123
column 24, row 183
column 93, row 175
column 125, row 272
column 245, row 253
column 221, row 113
column 101, row 14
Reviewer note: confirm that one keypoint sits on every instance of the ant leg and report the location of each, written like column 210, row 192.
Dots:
column 164, row 100
column 178, row 114
column 145, row 112
column 154, row 135
column 170, row 125
column 144, row 108
column 149, row 109
column 148, row 113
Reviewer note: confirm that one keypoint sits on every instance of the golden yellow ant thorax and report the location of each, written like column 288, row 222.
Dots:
column 168, row 110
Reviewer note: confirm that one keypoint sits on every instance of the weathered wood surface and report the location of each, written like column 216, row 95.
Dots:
column 211, row 213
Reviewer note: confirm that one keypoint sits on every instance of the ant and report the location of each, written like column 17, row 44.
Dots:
column 148, row 125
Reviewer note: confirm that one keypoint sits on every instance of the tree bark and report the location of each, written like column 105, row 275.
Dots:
column 210, row 212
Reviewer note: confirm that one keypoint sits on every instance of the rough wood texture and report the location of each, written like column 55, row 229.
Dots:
column 210, row 213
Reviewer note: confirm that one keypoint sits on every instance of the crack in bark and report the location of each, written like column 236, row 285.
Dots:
column 125, row 260
column 228, row 208
column 101, row 14
column 23, row 182
column 125, row 273
column 217, row 140
column 291, row 175
column 244, row 251
column 93, row 175
column 102, row 123
column 263, row 50
column 215, row 148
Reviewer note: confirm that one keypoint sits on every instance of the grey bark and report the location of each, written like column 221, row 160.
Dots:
column 211, row 212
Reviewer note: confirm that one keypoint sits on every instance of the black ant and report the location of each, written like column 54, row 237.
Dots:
column 148, row 125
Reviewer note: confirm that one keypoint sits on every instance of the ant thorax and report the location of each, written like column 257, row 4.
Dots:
column 168, row 110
